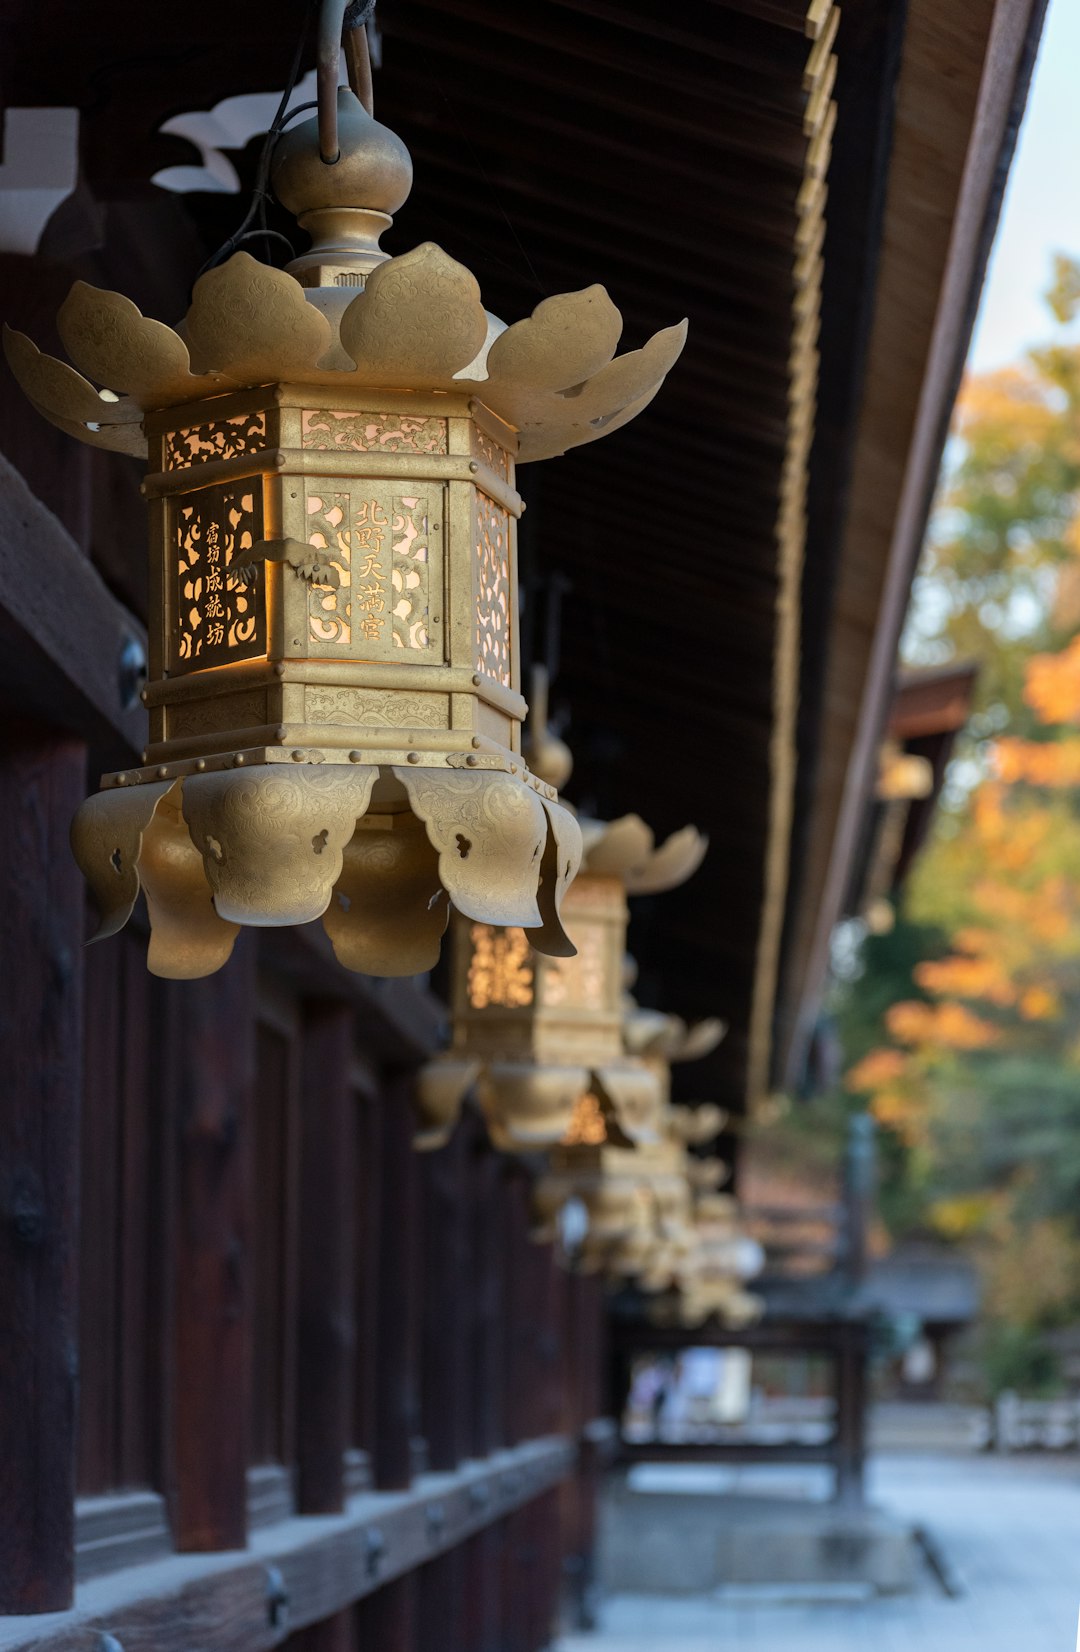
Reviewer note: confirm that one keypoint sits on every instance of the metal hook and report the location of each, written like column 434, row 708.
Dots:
column 332, row 23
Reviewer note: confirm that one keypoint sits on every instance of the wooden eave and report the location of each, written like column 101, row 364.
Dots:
column 963, row 76
column 681, row 160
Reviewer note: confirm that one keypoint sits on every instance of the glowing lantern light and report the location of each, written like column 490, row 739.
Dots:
column 542, row 1037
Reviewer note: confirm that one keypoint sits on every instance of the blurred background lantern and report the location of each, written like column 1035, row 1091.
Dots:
column 334, row 693
column 710, row 1275
column 542, row 1037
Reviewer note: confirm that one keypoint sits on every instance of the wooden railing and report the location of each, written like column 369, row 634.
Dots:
column 811, row 1290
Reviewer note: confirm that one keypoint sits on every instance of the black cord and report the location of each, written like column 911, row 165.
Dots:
column 261, row 192
column 300, row 109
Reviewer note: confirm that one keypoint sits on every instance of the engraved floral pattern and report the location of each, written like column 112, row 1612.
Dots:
column 327, row 430
column 492, row 630
column 490, row 831
column 389, row 708
column 272, row 839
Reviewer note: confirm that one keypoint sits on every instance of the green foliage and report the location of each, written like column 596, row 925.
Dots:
column 1016, row 1357
column 964, row 1021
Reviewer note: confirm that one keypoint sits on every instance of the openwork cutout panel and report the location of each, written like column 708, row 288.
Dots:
column 492, row 633
column 232, row 438
column 585, row 982
column 382, row 545
column 491, row 453
column 217, row 619
column 500, row 969
column 329, row 431
column 588, row 1127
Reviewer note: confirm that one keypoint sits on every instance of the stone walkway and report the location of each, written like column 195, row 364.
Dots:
column 1008, row 1527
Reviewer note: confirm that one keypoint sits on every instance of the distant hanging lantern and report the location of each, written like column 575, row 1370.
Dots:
column 709, row 1276
column 334, row 676
column 640, row 1200
column 541, row 1038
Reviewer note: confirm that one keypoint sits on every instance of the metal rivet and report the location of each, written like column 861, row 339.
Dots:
column 476, row 740
column 279, row 670
column 297, row 756
column 355, row 757
column 145, row 753
column 473, row 466
column 281, row 731
column 476, row 679
column 471, row 761
column 412, row 757
column 375, row 1549
column 121, row 780
column 239, row 760
column 279, row 460
column 163, row 773
column 143, row 695
column 277, row 1599
column 201, row 764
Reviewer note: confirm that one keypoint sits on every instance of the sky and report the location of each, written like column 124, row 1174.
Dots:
column 1042, row 201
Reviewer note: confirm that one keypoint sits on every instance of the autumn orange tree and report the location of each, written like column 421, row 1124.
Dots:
column 972, row 1066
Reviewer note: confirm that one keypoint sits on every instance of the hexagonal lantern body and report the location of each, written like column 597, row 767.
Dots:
column 542, row 1036
column 511, row 1003
column 388, row 635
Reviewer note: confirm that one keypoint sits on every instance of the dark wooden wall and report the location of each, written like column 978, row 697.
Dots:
column 234, row 1301
column 276, row 1307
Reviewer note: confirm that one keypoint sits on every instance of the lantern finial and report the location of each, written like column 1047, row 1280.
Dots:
column 345, row 207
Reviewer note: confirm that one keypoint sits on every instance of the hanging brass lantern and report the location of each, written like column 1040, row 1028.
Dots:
column 334, row 691
column 540, row 1037
column 640, row 1200
column 709, row 1277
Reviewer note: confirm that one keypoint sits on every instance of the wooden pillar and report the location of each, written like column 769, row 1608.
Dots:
column 396, row 1350
column 212, row 1052
column 445, row 1347
column 852, row 1360
column 336, row 1634
column 487, row 1376
column 326, row 1286
column 482, row 1603
column 42, row 780
column 386, row 1620
column 519, row 1309
column 369, row 1106
column 440, row 1604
